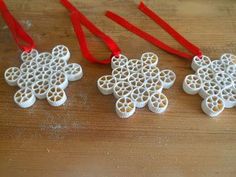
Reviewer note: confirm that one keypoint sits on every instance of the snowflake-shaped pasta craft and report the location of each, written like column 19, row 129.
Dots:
column 43, row 76
column 214, row 81
column 136, row 83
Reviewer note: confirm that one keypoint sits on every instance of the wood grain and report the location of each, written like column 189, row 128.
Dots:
column 85, row 138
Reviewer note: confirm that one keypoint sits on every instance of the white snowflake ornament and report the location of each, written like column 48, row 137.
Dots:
column 214, row 81
column 137, row 83
column 43, row 76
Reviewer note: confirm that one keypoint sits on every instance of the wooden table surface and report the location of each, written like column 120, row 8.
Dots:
column 85, row 138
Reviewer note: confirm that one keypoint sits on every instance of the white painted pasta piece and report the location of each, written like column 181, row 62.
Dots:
column 120, row 73
column 44, row 58
column 28, row 67
column 213, row 105
column 43, row 73
column 125, row 107
column 40, row 88
column 29, row 56
column 58, row 64
column 73, row 71
column 24, row 98
column 228, row 59
column 168, row 78
column 200, row 62
column 12, row 75
column 140, row 96
column 149, row 58
column 118, row 61
column 136, row 80
column 229, row 97
column 106, row 84
column 61, row 51
column 209, row 88
column 150, row 71
column 192, row 84
column 26, row 80
column 134, row 65
column 154, row 85
column 158, row 103
column 59, row 79
column 231, row 70
column 217, row 66
column 56, row 96
column 122, row 89
column 206, row 74
column 223, row 80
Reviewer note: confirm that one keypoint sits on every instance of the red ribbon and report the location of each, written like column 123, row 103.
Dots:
column 78, row 19
column 23, row 40
column 178, row 37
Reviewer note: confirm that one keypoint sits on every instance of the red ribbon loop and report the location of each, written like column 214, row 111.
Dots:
column 78, row 19
column 23, row 40
column 178, row 37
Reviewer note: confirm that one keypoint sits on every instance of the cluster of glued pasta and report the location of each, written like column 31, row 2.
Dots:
column 136, row 83
column 43, row 76
column 215, row 81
